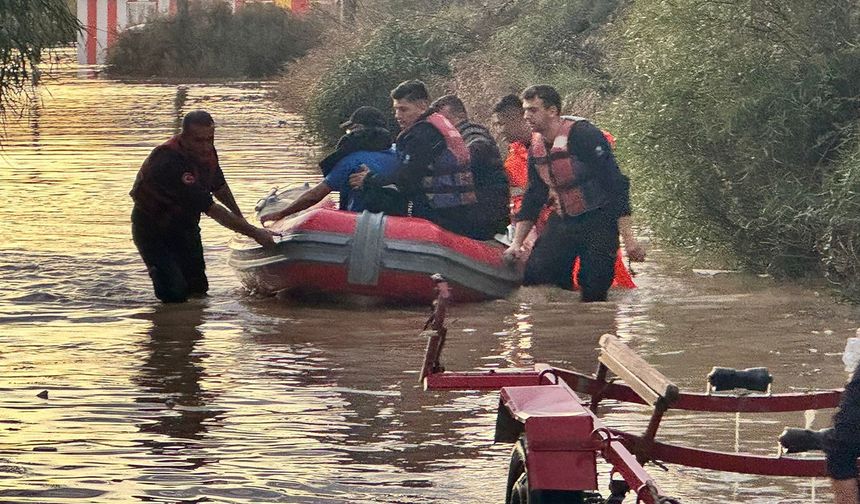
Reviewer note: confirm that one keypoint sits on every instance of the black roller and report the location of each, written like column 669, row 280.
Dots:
column 802, row 440
column 757, row 379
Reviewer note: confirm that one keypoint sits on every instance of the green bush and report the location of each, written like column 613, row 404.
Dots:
column 397, row 51
column 732, row 115
column 213, row 42
column 839, row 243
column 555, row 43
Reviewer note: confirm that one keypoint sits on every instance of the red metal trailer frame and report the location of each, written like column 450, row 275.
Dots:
column 540, row 402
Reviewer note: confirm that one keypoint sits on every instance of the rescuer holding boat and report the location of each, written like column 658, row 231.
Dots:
column 571, row 165
column 174, row 186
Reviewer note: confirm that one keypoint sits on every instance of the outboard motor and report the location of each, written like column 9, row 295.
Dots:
column 756, row 379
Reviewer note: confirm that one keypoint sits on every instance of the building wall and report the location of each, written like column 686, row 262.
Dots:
column 103, row 19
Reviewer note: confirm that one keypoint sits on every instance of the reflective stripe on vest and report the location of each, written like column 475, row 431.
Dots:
column 563, row 174
column 450, row 182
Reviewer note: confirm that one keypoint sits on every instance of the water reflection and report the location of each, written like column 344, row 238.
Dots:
column 35, row 115
column 178, row 107
column 175, row 405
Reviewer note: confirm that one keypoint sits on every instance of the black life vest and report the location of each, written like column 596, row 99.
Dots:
column 450, row 182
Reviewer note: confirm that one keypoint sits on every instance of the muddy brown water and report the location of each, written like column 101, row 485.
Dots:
column 243, row 399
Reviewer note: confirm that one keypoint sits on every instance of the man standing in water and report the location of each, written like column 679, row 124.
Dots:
column 174, row 186
column 571, row 164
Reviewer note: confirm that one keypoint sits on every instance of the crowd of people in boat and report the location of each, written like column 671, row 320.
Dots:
column 559, row 178
column 559, row 184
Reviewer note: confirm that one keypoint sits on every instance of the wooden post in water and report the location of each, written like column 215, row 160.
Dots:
column 347, row 11
column 182, row 10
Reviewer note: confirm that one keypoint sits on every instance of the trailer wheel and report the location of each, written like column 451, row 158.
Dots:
column 518, row 484
column 516, row 468
column 520, row 494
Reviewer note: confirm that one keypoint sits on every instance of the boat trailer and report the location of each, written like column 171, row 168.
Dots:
column 557, row 435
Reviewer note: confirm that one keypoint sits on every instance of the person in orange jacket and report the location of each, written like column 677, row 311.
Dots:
column 512, row 128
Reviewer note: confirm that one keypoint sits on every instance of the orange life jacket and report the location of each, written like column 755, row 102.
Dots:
column 516, row 167
column 450, row 182
column 570, row 186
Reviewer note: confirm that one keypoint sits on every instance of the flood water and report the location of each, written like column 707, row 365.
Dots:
column 243, row 399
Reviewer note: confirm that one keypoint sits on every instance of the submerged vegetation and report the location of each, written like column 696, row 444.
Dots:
column 214, row 42
column 29, row 29
column 737, row 121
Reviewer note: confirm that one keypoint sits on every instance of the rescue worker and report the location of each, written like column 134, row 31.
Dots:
column 842, row 444
column 367, row 143
column 508, row 120
column 434, row 172
column 491, row 184
column 571, row 164
column 512, row 127
column 174, row 186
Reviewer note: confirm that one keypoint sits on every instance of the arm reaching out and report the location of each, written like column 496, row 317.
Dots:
column 521, row 231
column 635, row 251
column 225, row 196
column 232, row 221
column 308, row 199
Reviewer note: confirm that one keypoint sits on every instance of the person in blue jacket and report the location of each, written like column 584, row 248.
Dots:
column 366, row 144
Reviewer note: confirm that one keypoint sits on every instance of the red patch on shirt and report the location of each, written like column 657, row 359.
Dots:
column 188, row 178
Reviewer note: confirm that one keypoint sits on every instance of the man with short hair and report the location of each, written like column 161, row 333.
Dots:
column 435, row 172
column 571, row 164
column 512, row 127
column 366, row 144
column 491, row 184
column 174, row 186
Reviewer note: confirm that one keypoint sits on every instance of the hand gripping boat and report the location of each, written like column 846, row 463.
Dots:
column 551, row 416
column 328, row 251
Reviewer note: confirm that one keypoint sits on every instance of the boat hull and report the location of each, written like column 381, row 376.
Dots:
column 326, row 251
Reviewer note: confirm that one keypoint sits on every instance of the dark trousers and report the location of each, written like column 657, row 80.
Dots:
column 842, row 445
column 173, row 258
column 593, row 237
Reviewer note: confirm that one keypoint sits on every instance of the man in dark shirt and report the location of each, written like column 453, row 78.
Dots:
column 842, row 445
column 434, row 173
column 491, row 184
column 571, row 166
column 174, row 186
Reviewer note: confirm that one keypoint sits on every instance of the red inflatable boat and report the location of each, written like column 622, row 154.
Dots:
column 327, row 251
